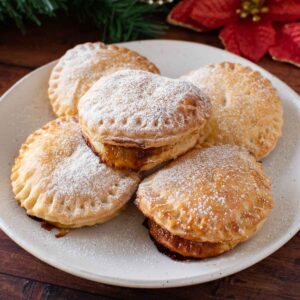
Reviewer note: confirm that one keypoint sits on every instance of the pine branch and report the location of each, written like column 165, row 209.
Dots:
column 20, row 10
column 118, row 20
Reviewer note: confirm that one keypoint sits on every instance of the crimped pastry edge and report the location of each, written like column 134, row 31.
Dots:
column 29, row 196
column 66, row 110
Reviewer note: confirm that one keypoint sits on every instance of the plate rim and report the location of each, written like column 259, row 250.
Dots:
column 197, row 279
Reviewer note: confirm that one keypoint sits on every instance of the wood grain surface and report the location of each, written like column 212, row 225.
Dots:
column 23, row 276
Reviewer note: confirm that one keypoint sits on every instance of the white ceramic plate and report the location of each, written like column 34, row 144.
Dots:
column 120, row 251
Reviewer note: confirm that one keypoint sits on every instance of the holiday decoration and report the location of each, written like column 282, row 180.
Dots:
column 287, row 46
column 121, row 20
column 160, row 2
column 250, row 28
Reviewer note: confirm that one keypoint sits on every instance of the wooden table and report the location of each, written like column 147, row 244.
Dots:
column 24, row 276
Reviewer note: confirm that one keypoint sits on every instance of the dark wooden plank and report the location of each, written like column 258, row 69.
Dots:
column 45, row 291
column 12, row 288
column 278, row 275
column 41, row 45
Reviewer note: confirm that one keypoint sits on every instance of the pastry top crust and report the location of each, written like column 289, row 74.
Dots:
column 140, row 109
column 58, row 178
column 82, row 66
column 217, row 194
column 246, row 109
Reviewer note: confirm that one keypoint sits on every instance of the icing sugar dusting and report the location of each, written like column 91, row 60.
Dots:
column 246, row 109
column 209, row 189
column 139, row 102
column 83, row 65
column 78, row 173
column 70, row 177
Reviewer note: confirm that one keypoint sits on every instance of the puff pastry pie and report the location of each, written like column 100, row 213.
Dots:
column 81, row 66
column 246, row 109
column 207, row 201
column 56, row 177
column 136, row 120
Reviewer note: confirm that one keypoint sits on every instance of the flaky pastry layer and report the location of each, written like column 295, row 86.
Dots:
column 139, row 159
column 246, row 108
column 56, row 177
column 187, row 248
column 80, row 67
column 134, row 108
column 218, row 195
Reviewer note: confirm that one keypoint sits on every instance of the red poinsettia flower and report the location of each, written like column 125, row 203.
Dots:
column 287, row 46
column 250, row 27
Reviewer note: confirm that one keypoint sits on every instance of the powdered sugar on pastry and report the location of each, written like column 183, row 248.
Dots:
column 58, row 178
column 246, row 109
column 216, row 194
column 78, row 174
column 82, row 66
column 142, row 108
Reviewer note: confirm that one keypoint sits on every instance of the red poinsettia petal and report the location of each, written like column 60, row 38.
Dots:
column 214, row 14
column 293, row 30
column 180, row 15
column 229, row 38
column 287, row 47
column 255, row 38
column 283, row 10
column 250, row 39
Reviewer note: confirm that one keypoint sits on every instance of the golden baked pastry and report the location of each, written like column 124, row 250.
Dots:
column 82, row 66
column 135, row 119
column 184, row 247
column 216, row 195
column 246, row 109
column 58, row 178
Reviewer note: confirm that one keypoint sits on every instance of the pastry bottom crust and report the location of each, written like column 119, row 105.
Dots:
column 78, row 223
column 187, row 248
column 140, row 159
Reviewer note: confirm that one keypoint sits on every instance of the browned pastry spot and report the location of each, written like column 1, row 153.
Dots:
column 215, row 195
column 127, row 157
column 186, row 248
